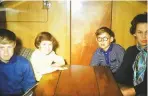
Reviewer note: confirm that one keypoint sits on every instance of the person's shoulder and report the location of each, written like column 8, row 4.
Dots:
column 22, row 60
column 97, row 51
column 131, row 48
column 54, row 55
column 35, row 53
column 117, row 46
column 22, row 64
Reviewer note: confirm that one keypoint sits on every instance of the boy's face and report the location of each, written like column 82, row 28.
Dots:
column 104, row 40
column 141, row 34
column 46, row 47
column 6, row 51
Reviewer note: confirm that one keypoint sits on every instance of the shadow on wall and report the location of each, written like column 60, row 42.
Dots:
column 22, row 51
column 19, row 46
column 2, row 17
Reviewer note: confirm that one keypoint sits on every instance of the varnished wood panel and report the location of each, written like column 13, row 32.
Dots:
column 106, row 82
column 86, row 18
column 77, row 81
column 36, row 19
column 24, row 11
column 122, row 14
column 47, row 84
column 76, row 37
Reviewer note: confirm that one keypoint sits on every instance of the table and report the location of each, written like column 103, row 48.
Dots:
column 79, row 80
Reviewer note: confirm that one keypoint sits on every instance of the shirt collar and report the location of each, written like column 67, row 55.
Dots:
column 109, row 49
column 12, row 60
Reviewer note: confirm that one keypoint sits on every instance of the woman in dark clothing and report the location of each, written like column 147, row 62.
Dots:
column 133, row 70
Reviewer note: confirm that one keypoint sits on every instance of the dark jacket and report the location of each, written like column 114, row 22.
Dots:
column 124, row 74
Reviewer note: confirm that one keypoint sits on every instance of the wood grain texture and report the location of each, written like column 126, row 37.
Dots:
column 29, row 18
column 79, row 80
column 47, row 84
column 122, row 14
column 84, row 23
column 107, row 84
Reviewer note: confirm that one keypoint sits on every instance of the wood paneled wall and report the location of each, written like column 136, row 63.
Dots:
column 74, row 27
column 122, row 14
column 93, row 14
column 87, row 17
column 28, row 18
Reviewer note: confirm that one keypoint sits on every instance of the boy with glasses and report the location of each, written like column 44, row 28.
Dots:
column 108, row 54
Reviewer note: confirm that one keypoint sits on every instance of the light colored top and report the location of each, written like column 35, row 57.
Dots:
column 42, row 63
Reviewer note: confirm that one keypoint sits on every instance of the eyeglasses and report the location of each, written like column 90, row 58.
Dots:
column 104, row 39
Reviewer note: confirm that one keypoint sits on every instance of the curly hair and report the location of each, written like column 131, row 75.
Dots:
column 140, row 18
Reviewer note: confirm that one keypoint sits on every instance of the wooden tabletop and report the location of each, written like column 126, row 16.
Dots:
column 78, row 80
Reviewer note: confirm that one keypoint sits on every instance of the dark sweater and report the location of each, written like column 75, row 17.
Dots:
column 124, row 74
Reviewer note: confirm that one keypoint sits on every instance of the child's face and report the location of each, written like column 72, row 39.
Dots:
column 46, row 47
column 104, row 40
column 6, row 51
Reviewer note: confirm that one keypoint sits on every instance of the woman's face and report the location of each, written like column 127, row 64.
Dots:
column 46, row 47
column 104, row 40
column 141, row 34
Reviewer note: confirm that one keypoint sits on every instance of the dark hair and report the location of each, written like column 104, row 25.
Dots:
column 105, row 30
column 7, row 36
column 45, row 36
column 141, row 18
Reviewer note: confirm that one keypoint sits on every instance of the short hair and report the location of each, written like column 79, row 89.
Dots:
column 45, row 36
column 7, row 36
column 140, row 18
column 105, row 30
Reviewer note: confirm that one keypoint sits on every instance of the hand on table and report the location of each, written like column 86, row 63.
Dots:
column 62, row 68
column 128, row 91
